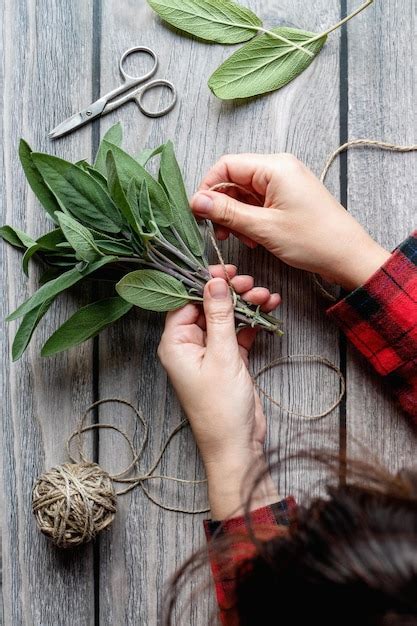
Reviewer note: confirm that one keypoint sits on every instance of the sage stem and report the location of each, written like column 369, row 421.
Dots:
column 339, row 24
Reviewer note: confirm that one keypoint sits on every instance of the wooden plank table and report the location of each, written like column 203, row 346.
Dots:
column 57, row 57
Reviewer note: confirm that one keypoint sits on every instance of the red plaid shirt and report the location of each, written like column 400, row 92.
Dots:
column 380, row 320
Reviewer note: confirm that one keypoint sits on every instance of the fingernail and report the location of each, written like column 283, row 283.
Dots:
column 202, row 204
column 218, row 288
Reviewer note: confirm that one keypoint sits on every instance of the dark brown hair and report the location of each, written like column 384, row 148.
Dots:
column 349, row 558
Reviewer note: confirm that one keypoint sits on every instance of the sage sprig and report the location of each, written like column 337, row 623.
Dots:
column 113, row 221
column 271, row 58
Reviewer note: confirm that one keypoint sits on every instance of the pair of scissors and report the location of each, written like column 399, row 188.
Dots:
column 130, row 88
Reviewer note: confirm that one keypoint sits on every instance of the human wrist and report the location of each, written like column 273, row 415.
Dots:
column 365, row 260
column 227, row 476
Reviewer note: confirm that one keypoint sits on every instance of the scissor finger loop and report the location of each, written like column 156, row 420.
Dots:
column 138, row 79
column 152, row 85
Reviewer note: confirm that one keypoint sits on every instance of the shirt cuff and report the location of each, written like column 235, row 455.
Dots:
column 277, row 514
column 380, row 317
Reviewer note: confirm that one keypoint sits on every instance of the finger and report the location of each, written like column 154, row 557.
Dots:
column 242, row 283
column 257, row 295
column 245, row 219
column 220, row 322
column 217, row 270
column 272, row 303
column 253, row 171
column 246, row 338
column 188, row 314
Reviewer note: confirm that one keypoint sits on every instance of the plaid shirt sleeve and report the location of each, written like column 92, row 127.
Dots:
column 380, row 319
column 266, row 522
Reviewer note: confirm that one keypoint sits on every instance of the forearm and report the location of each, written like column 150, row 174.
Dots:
column 233, row 479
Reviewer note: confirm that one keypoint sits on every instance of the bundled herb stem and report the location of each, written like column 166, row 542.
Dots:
column 114, row 222
column 266, row 62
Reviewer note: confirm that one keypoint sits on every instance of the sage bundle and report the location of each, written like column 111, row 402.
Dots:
column 271, row 58
column 113, row 221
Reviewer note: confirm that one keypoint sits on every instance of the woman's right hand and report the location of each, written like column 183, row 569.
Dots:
column 297, row 219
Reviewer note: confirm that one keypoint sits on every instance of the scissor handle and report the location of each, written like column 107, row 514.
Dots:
column 151, row 85
column 138, row 79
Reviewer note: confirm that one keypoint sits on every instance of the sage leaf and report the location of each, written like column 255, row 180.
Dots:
column 117, row 192
column 222, row 21
column 113, row 136
column 36, row 181
column 28, row 255
column 173, row 183
column 97, row 176
column 128, row 168
column 147, row 154
column 56, row 286
column 85, row 324
column 16, row 237
column 80, row 238
column 264, row 64
column 153, row 290
column 113, row 247
column 27, row 327
column 79, row 193
column 146, row 212
column 51, row 240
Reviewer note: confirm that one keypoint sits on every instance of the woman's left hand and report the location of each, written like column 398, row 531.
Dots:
column 207, row 364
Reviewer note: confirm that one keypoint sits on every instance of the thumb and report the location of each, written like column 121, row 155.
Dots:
column 243, row 218
column 220, row 320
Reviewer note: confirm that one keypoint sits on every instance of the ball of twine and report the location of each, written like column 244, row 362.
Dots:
column 73, row 502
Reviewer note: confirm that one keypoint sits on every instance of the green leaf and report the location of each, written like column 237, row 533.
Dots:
column 264, row 64
column 27, row 327
column 16, row 237
column 56, row 286
column 185, row 223
column 27, row 256
column 50, row 240
column 147, row 154
column 213, row 20
column 146, row 212
column 85, row 324
column 153, row 290
column 128, row 168
column 97, row 176
column 117, row 192
column 80, row 238
column 36, row 181
column 113, row 247
column 79, row 193
column 113, row 136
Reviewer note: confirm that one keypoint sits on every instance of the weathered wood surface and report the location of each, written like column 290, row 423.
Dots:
column 47, row 74
column 381, row 194
column 58, row 55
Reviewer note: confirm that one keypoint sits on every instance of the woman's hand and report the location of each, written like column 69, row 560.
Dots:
column 207, row 364
column 298, row 220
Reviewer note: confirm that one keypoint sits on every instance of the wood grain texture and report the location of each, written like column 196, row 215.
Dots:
column 146, row 544
column 47, row 74
column 381, row 195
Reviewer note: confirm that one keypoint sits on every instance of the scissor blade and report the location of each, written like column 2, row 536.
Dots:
column 79, row 119
column 65, row 127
